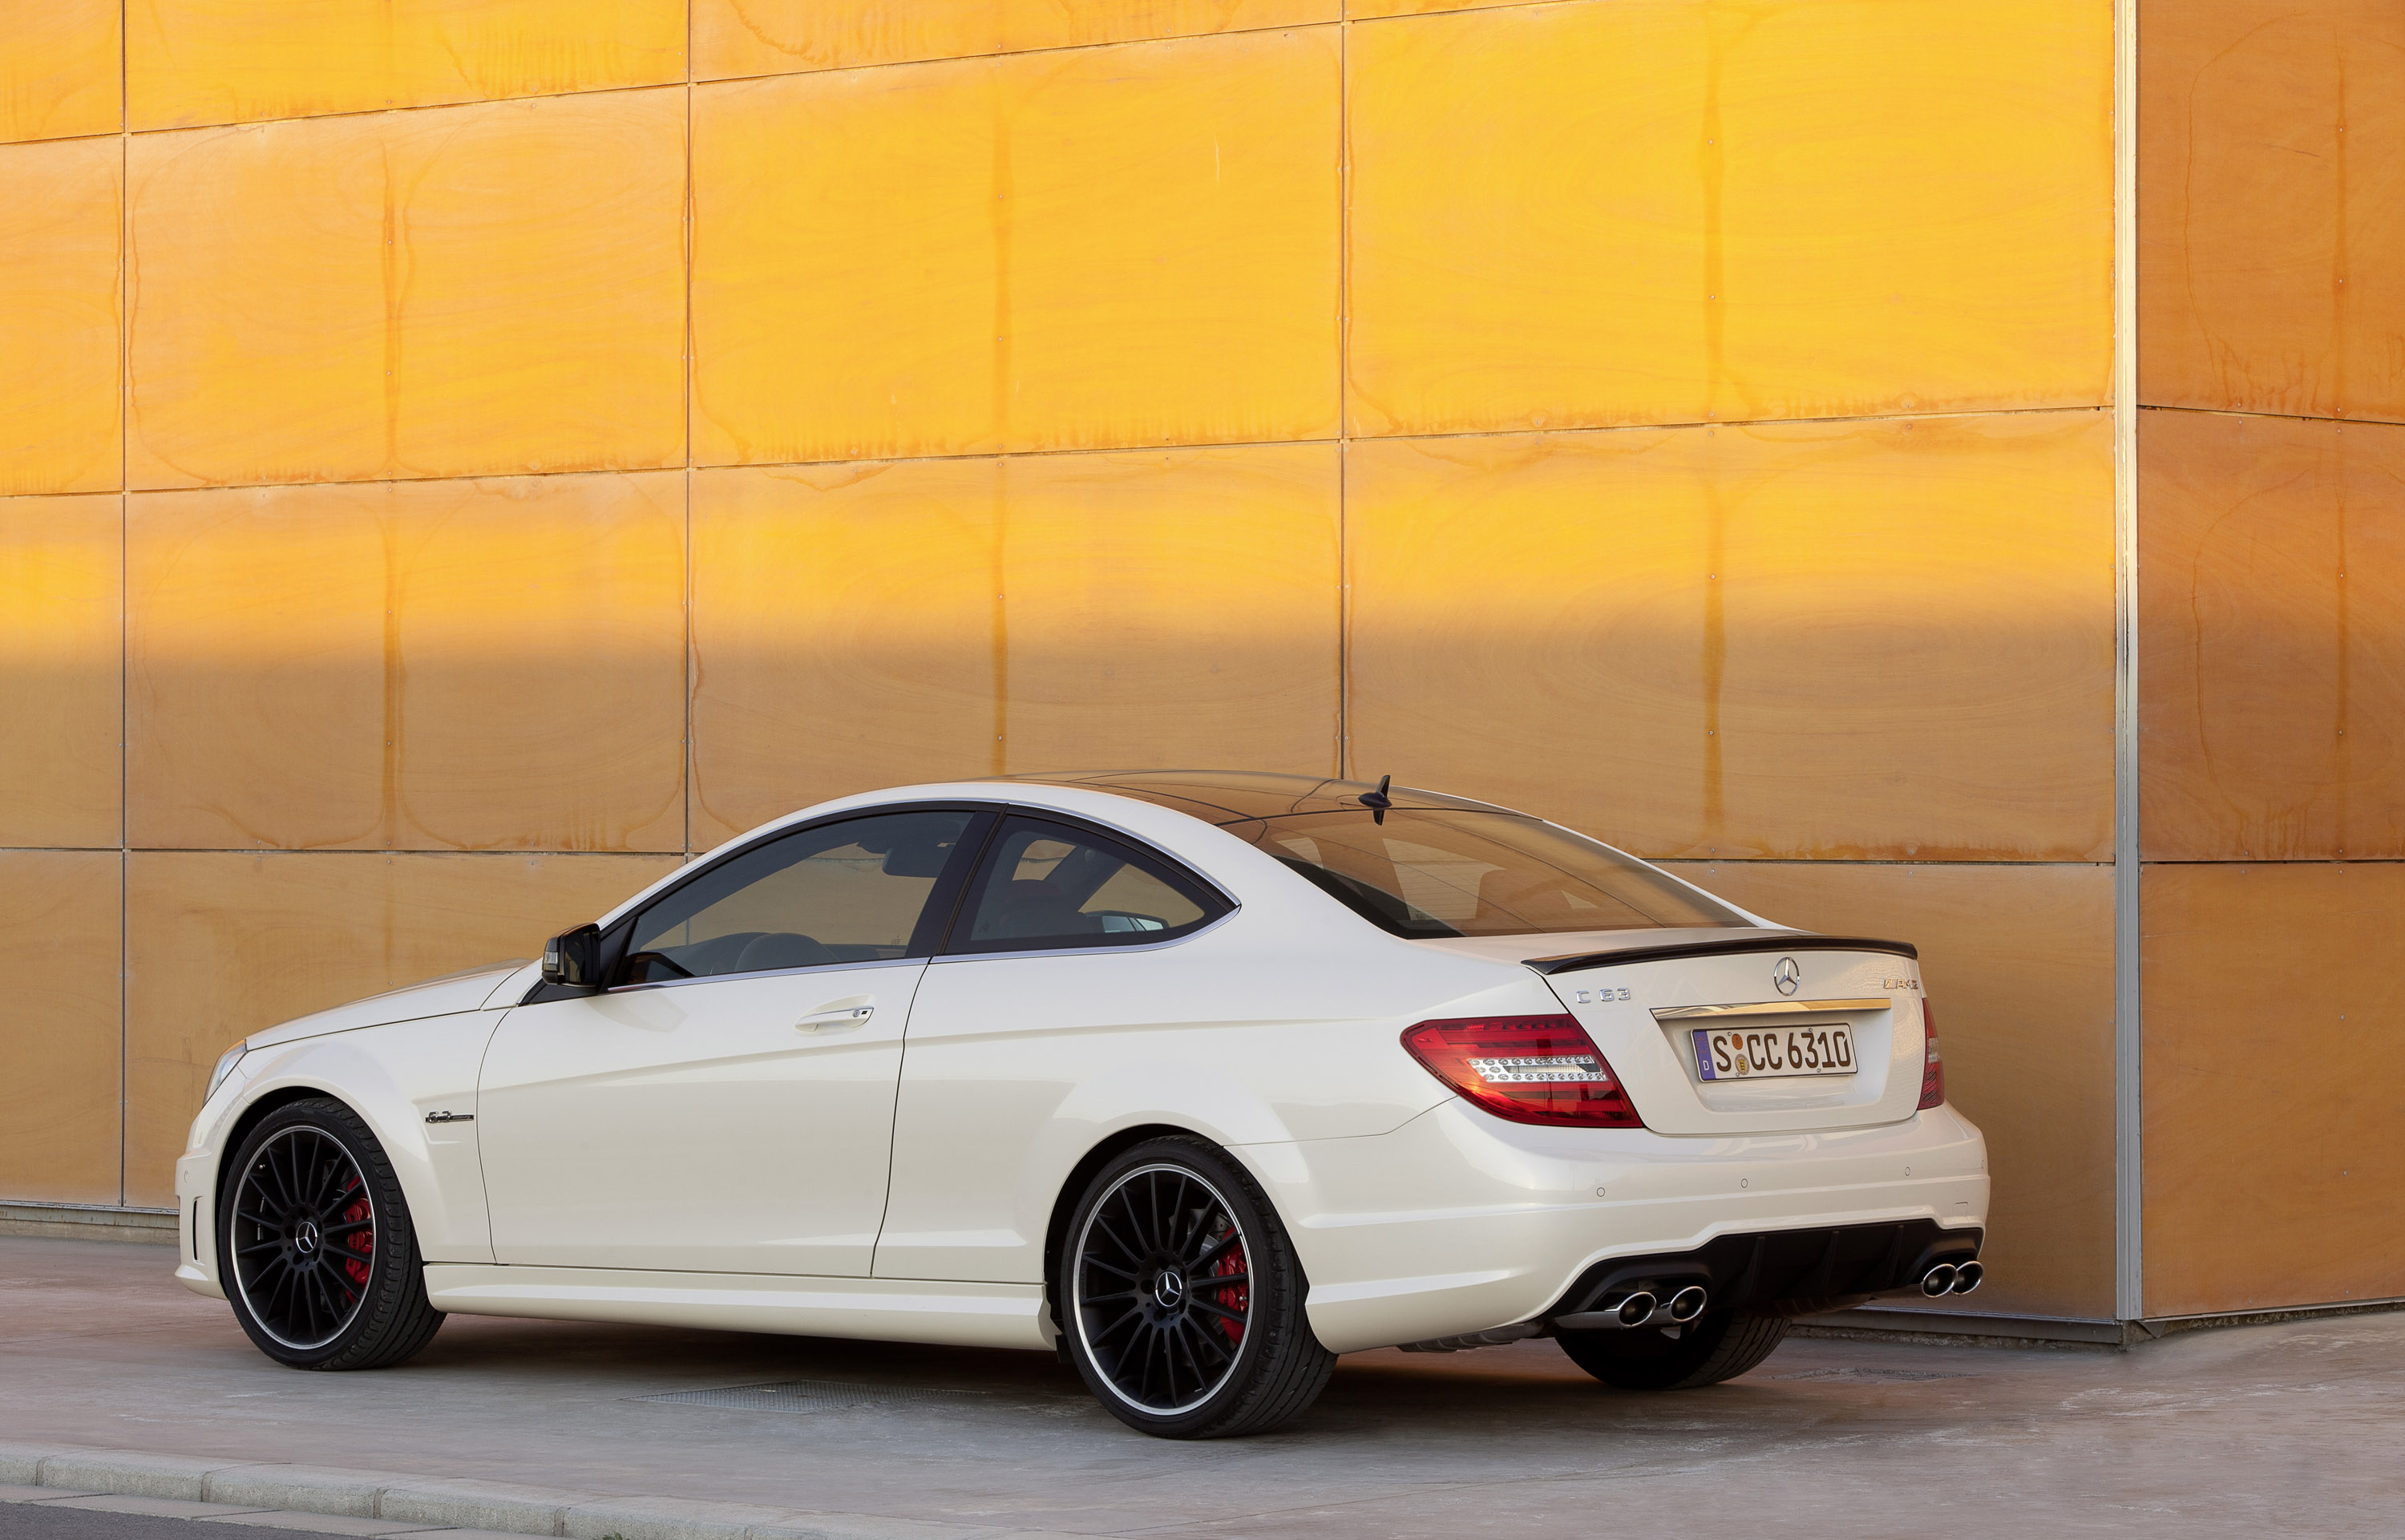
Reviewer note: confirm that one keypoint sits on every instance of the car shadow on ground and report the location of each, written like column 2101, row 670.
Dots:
column 1492, row 1391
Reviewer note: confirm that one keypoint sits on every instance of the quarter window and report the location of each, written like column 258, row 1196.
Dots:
column 1049, row 885
column 853, row 891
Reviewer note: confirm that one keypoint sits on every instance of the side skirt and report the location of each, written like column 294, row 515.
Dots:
column 964, row 1315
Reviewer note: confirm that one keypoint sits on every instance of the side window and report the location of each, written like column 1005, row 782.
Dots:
column 851, row 892
column 1045, row 885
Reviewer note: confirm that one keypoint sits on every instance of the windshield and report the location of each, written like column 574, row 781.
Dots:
column 1423, row 874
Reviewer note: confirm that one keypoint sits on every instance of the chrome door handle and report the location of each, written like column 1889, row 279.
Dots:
column 836, row 1021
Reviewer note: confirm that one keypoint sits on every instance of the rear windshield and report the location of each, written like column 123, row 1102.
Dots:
column 1457, row 873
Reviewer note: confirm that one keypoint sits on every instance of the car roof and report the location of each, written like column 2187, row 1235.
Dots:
column 1215, row 797
column 1233, row 797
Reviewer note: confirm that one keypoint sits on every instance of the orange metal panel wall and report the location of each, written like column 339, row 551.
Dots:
column 2272, row 206
column 60, row 1100
column 194, row 61
column 461, row 292
column 61, row 630
column 1663, row 211
column 2273, row 565
column 733, row 37
column 2274, row 1157
column 58, row 315
column 1854, row 639
column 437, row 665
column 2271, row 661
column 1093, row 248
column 545, row 453
column 59, row 69
column 992, row 616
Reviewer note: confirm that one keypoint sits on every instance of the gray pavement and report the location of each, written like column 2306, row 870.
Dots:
column 2294, row 1429
column 53, row 1521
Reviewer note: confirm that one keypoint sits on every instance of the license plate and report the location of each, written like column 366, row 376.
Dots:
column 1773, row 1052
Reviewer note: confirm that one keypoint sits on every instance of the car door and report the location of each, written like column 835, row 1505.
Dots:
column 726, row 1105
column 1068, row 966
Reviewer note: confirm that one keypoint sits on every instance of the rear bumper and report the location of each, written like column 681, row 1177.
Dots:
column 1783, row 1272
column 1459, row 1222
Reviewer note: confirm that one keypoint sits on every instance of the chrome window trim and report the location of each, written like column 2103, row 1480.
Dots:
column 692, row 870
column 1087, row 951
column 1000, row 809
column 1143, row 843
column 760, row 973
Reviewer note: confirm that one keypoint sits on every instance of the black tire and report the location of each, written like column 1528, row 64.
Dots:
column 1232, row 1354
column 1720, row 1346
column 315, row 1246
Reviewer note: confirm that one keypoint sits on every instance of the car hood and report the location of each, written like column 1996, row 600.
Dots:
column 468, row 990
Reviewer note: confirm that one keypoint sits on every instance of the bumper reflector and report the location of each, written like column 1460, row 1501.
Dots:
column 1933, row 1069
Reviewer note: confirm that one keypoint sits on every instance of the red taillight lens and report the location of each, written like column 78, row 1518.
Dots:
column 1541, row 1070
column 1933, row 1069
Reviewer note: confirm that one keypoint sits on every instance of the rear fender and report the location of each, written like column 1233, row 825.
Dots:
column 1262, row 1118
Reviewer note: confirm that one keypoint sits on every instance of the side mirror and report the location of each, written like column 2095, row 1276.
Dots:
column 573, row 957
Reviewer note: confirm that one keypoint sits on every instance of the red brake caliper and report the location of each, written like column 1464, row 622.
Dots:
column 361, row 1242
column 1234, row 1298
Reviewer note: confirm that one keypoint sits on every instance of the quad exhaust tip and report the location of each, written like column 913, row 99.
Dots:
column 1646, row 1308
column 1952, row 1277
column 1640, row 1308
column 1643, row 1307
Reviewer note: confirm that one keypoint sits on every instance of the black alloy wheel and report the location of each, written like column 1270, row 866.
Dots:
column 1181, row 1299
column 1704, row 1352
column 315, row 1246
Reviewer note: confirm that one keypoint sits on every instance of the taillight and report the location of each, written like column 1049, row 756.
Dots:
column 1542, row 1069
column 1933, row 1069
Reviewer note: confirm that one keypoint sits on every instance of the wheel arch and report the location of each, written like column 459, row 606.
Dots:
column 248, row 1119
column 1073, row 1186
column 252, row 1114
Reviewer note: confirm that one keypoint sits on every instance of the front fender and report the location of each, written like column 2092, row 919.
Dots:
column 392, row 1076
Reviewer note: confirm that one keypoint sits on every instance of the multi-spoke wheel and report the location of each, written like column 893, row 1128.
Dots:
column 303, row 1237
column 315, row 1244
column 1181, row 1299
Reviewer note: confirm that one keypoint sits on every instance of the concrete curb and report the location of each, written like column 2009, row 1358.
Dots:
column 88, row 1221
column 460, row 1505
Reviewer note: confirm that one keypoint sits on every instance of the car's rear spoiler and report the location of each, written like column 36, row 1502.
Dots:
column 1573, row 962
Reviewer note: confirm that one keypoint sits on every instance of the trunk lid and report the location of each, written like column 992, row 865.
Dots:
column 1642, row 995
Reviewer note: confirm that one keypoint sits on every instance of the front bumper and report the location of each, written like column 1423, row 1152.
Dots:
column 195, row 1222
column 1459, row 1222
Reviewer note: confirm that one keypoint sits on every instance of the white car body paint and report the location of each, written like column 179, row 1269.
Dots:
column 638, row 1169
column 694, row 1126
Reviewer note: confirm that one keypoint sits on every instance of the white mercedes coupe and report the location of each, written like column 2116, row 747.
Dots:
column 1200, row 1078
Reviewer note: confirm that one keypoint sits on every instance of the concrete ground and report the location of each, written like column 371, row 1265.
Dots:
column 2294, row 1429
column 57, row 1521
